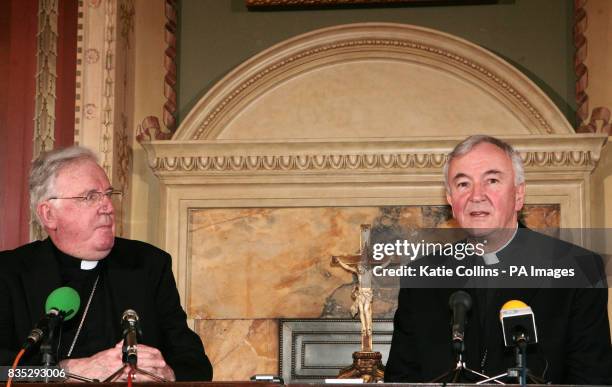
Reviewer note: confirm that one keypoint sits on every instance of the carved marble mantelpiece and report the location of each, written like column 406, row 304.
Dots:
column 276, row 167
column 240, row 174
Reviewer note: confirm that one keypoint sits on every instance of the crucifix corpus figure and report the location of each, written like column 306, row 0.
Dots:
column 362, row 295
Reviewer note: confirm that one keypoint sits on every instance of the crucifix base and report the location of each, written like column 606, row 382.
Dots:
column 366, row 365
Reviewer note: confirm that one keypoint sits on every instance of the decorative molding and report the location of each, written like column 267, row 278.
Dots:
column 327, row 50
column 169, row 114
column 103, row 89
column 395, row 156
column 124, row 166
column 371, row 41
column 90, row 110
column 308, row 162
column 338, row 162
column 149, row 129
column 126, row 21
column 108, row 84
column 599, row 121
column 80, row 65
column 92, row 56
column 46, row 75
column 581, row 70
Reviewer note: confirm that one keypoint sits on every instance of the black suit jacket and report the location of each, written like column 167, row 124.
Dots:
column 139, row 277
column 573, row 332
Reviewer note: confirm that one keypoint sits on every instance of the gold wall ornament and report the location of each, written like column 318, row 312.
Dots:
column 124, row 168
column 263, row 4
column 126, row 21
column 46, row 75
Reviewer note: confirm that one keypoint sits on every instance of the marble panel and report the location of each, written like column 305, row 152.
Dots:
column 275, row 262
column 239, row 349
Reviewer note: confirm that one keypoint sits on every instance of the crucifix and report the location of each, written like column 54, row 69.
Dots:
column 367, row 364
column 361, row 265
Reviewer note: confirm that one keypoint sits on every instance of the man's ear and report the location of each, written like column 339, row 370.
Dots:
column 450, row 202
column 47, row 215
column 520, row 197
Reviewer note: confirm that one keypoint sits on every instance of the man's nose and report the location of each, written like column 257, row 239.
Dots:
column 478, row 193
column 106, row 205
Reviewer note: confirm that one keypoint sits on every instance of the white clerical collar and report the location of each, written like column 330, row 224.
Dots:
column 491, row 258
column 88, row 265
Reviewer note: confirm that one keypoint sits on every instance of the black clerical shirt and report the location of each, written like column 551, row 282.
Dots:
column 95, row 334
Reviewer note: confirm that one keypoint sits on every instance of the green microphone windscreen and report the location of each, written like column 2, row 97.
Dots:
column 64, row 299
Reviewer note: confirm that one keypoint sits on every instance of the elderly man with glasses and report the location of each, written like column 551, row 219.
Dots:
column 71, row 197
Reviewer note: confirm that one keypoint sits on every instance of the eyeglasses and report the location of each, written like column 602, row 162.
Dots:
column 93, row 197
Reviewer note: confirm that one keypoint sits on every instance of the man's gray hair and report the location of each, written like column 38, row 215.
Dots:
column 45, row 168
column 469, row 143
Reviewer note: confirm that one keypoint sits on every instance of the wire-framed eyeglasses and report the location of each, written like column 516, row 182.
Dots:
column 92, row 198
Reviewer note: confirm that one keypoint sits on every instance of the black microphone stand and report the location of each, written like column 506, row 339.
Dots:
column 454, row 374
column 130, row 360
column 520, row 370
column 48, row 346
column 49, row 343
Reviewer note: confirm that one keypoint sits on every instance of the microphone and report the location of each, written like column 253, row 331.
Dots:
column 460, row 303
column 518, row 324
column 62, row 304
column 131, row 331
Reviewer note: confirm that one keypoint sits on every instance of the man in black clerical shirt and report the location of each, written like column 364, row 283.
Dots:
column 70, row 195
column 485, row 187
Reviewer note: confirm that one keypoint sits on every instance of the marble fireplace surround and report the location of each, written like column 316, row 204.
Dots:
column 348, row 118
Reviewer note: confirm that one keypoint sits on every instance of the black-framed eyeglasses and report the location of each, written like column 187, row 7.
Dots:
column 92, row 197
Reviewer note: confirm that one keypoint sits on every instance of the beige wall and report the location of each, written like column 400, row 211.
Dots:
column 599, row 57
column 599, row 63
column 535, row 36
column 149, row 49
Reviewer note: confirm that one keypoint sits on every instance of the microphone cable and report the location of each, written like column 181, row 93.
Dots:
column 15, row 362
column 130, row 377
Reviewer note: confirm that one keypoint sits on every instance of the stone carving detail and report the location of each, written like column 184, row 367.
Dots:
column 357, row 44
column 598, row 123
column 320, row 162
column 90, row 111
column 92, row 56
column 150, row 129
